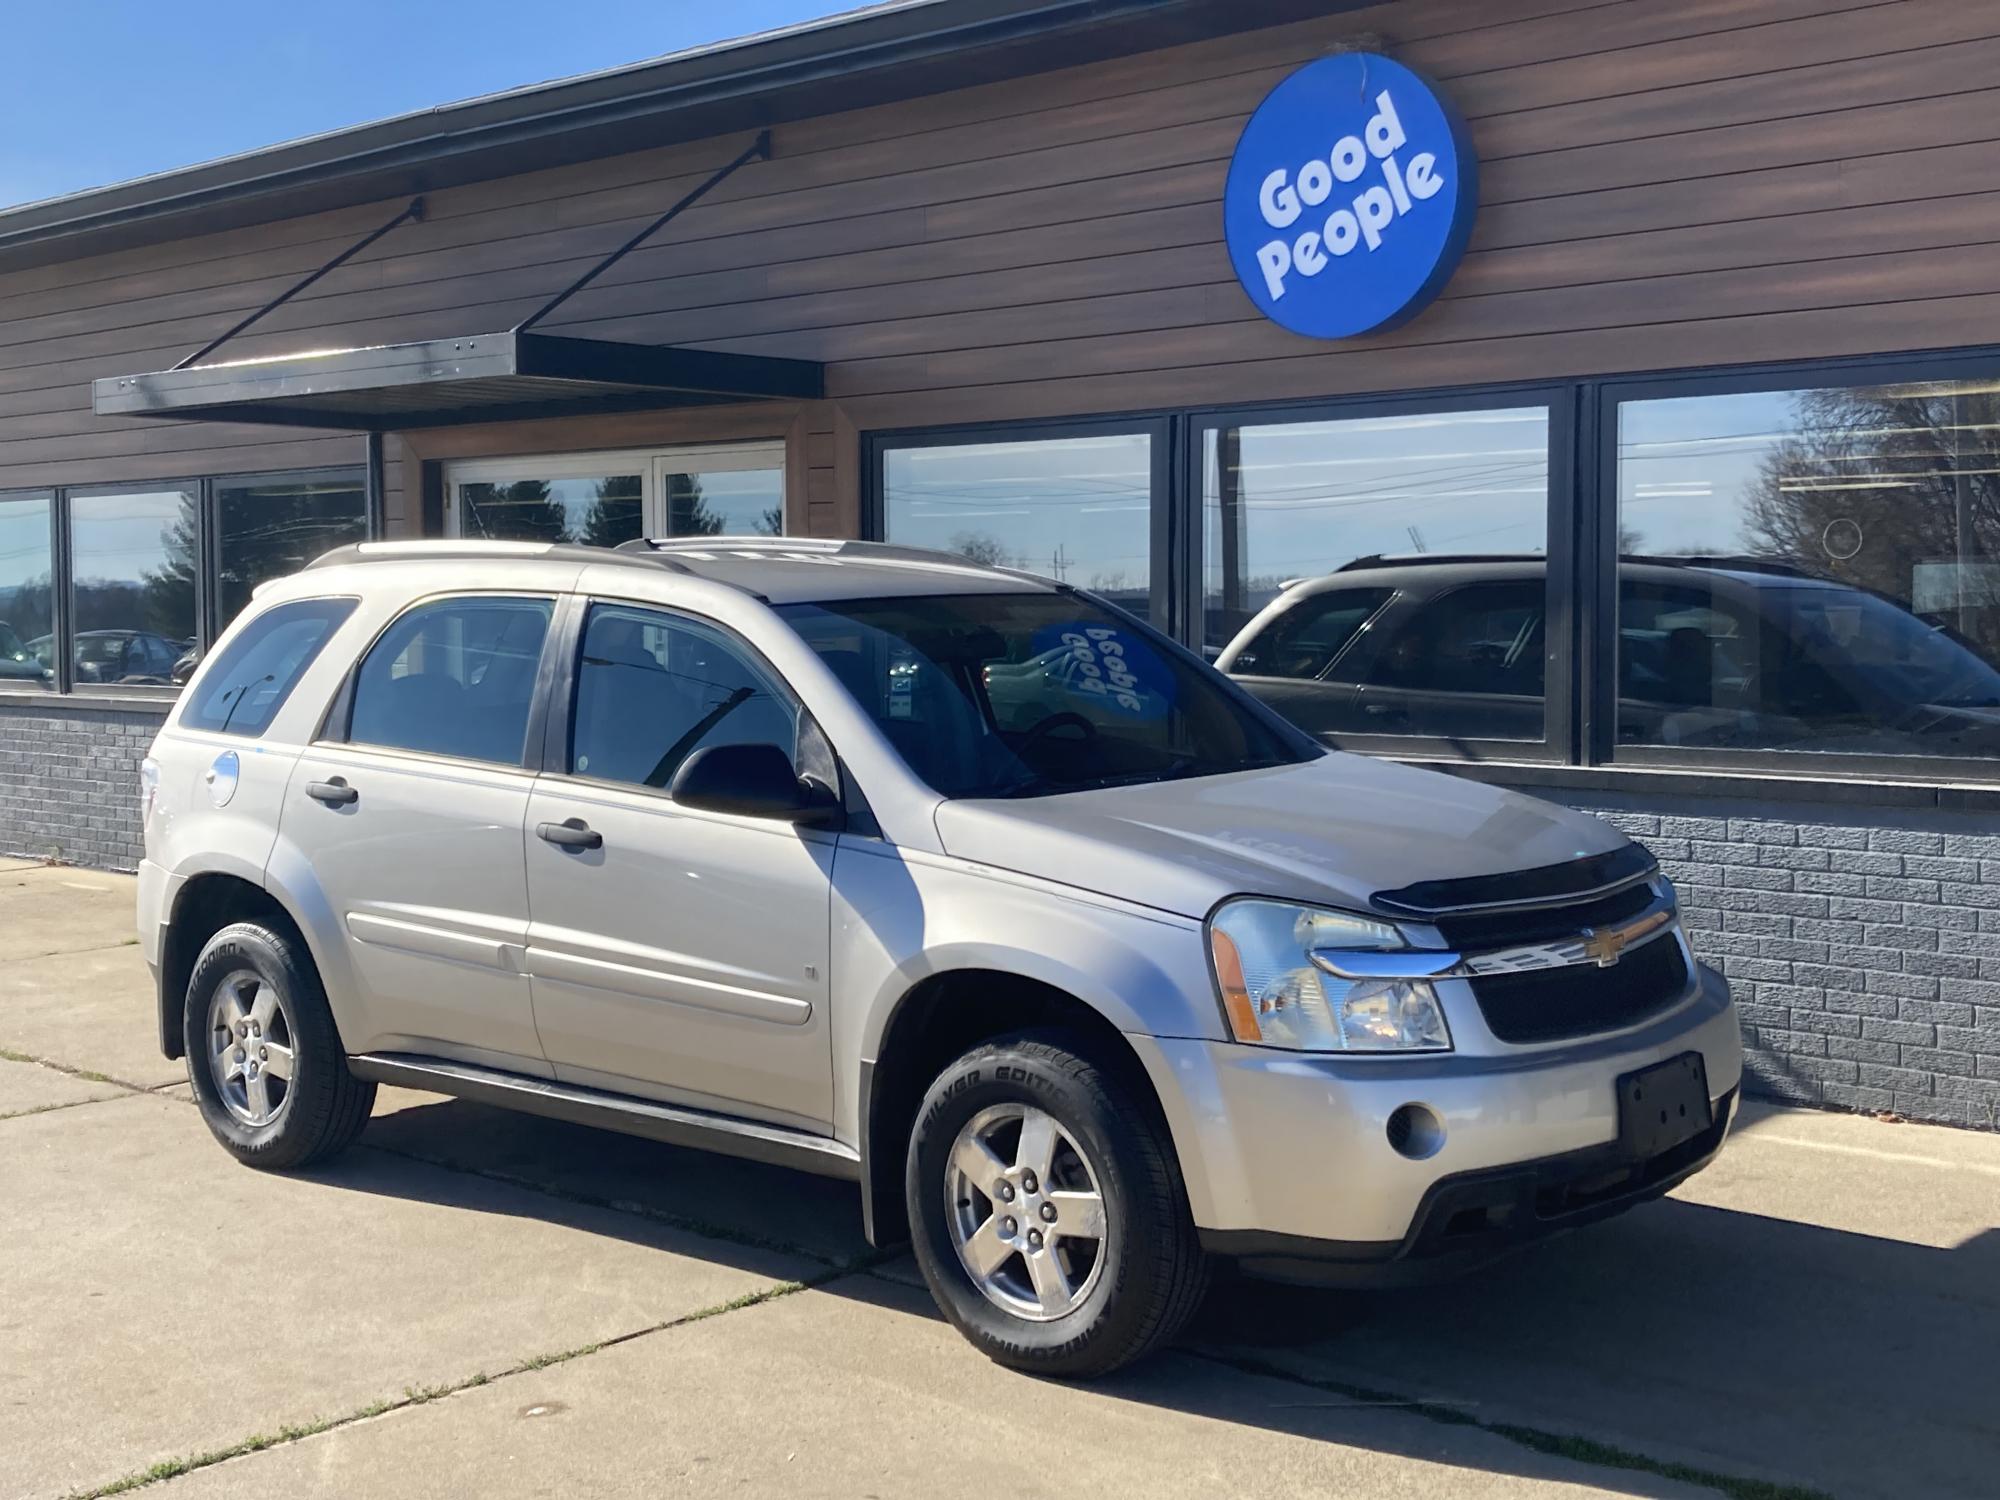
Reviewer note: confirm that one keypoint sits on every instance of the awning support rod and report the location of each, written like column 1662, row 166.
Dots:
column 757, row 150
column 414, row 210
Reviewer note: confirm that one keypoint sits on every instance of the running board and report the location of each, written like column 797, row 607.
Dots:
column 752, row 1139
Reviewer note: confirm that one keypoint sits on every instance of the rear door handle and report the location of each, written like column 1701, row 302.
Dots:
column 571, row 833
column 334, row 793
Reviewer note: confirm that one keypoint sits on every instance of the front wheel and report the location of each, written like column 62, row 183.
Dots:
column 1047, row 1210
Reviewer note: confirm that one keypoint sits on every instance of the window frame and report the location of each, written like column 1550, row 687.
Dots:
column 1597, row 592
column 337, row 723
column 650, row 464
column 1559, row 399
column 58, row 572
column 212, row 625
column 558, row 733
column 67, row 634
column 207, row 552
column 1161, row 429
column 1178, row 566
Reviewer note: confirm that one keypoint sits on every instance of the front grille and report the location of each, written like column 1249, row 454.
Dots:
column 1546, row 1005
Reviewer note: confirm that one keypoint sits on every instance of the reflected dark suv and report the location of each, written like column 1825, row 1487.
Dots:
column 1719, row 652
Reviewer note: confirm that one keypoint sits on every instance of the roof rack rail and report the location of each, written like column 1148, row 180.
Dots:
column 1731, row 561
column 814, row 546
column 421, row 549
column 1429, row 559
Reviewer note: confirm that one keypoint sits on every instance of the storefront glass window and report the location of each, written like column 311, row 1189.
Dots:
column 599, row 510
column 1812, row 570
column 1078, row 510
column 27, row 599
column 727, row 502
column 135, row 557
column 1383, row 575
column 271, row 527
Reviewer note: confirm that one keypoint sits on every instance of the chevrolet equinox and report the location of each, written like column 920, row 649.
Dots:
column 948, row 880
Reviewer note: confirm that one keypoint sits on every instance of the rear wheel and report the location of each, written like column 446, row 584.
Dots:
column 1047, row 1210
column 265, row 1059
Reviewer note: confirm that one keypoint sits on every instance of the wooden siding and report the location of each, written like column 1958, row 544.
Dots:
column 1707, row 182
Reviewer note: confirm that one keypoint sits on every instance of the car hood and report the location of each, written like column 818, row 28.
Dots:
column 1333, row 830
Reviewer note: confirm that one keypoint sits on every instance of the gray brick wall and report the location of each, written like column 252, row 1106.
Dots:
column 69, row 779
column 1863, row 945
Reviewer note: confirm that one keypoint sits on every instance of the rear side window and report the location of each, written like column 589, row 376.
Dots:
column 243, row 691
column 454, row 677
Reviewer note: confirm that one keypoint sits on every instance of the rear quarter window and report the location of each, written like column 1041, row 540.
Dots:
column 249, row 682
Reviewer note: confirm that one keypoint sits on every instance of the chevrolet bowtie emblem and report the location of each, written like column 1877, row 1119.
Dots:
column 1603, row 945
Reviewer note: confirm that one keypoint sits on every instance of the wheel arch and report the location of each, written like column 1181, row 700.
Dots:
column 939, row 1018
column 205, row 904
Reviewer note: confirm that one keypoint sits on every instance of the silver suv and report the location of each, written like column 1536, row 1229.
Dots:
column 948, row 880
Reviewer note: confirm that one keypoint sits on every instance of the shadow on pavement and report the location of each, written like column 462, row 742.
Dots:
column 1724, row 1340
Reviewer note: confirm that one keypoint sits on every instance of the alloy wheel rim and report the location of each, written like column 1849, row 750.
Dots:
column 1025, row 1210
column 250, row 1048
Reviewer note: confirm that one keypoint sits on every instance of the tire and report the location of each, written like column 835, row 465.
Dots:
column 1133, row 1290
column 265, row 981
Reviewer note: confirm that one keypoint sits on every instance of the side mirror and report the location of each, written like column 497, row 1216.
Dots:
column 751, row 781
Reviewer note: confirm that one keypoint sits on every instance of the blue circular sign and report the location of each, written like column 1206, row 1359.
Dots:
column 1350, row 197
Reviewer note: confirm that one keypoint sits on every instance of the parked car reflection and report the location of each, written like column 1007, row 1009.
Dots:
column 104, row 657
column 17, row 662
column 1720, row 652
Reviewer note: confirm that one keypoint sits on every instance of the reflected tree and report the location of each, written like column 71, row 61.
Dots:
column 614, row 515
column 1885, row 487
column 980, row 547
column 688, row 513
column 522, row 511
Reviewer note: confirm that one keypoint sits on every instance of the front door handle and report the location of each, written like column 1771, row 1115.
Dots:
column 334, row 793
column 571, row 833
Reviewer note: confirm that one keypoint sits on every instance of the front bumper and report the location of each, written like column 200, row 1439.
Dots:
column 1288, row 1160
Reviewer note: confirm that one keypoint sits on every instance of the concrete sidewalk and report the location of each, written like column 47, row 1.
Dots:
column 475, row 1302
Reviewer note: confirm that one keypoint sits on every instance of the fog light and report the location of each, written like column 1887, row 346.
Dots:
column 1415, row 1131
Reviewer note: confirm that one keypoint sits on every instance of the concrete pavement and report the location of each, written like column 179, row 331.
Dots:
column 475, row 1302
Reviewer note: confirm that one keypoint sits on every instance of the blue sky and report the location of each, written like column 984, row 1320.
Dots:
column 99, row 91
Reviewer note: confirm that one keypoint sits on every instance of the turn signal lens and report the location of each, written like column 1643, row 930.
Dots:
column 1229, row 979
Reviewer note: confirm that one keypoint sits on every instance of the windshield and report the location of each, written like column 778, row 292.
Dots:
column 1022, row 695
column 1902, row 658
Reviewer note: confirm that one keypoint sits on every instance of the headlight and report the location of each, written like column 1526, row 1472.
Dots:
column 1324, row 981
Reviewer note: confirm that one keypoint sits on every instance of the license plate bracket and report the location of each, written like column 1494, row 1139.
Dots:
column 1662, row 1106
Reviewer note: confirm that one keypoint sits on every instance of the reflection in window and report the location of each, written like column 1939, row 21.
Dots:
column 272, row 527
column 729, row 502
column 1078, row 510
column 27, row 598
column 600, row 512
column 134, row 558
column 1383, row 575
column 1812, row 570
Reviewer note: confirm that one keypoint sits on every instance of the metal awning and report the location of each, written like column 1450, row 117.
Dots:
column 482, row 377
column 488, row 377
